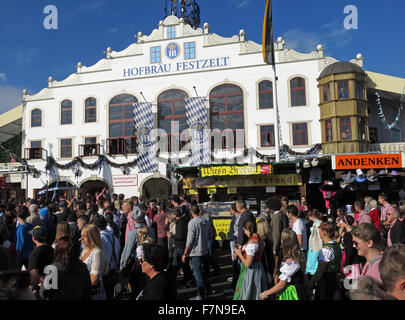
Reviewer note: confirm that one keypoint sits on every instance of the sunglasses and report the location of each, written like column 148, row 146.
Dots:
column 357, row 243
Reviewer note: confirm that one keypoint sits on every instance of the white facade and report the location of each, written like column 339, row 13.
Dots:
column 221, row 60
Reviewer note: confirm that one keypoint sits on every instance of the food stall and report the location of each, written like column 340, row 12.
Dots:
column 221, row 215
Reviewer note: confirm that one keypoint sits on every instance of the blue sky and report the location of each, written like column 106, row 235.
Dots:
column 30, row 54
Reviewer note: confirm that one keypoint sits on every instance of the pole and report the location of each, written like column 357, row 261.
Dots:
column 277, row 124
column 26, row 183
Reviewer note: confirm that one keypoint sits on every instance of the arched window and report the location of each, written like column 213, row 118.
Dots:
column 36, row 118
column 90, row 110
column 297, row 88
column 226, row 109
column 121, row 124
column 171, row 108
column 266, row 94
column 66, row 112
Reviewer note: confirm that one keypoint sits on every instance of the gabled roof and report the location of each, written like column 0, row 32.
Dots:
column 11, row 123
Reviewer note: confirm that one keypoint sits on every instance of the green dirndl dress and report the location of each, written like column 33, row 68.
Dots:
column 252, row 281
column 297, row 288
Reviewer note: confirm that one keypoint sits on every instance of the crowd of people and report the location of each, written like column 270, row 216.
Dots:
column 108, row 247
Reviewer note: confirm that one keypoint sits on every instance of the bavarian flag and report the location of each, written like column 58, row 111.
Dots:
column 268, row 43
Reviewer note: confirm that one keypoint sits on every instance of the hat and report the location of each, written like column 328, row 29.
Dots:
column 138, row 215
column 349, row 177
column 383, row 172
column 43, row 213
column 62, row 204
column 394, row 173
column 175, row 198
column 39, row 233
column 100, row 222
column 372, row 175
column 361, row 177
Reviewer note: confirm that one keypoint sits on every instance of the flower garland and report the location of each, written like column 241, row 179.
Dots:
column 381, row 112
column 102, row 160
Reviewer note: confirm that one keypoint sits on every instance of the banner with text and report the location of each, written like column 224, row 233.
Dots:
column 368, row 161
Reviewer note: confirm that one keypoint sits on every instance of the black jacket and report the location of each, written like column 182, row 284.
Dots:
column 397, row 233
column 62, row 216
column 180, row 238
column 160, row 288
column 231, row 230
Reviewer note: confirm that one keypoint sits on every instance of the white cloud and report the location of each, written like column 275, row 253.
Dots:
column 26, row 56
column 87, row 7
column 330, row 35
column 3, row 77
column 240, row 3
column 10, row 97
column 113, row 30
column 301, row 41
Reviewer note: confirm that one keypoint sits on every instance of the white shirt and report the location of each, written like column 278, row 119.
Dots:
column 326, row 254
column 251, row 249
column 299, row 229
column 287, row 270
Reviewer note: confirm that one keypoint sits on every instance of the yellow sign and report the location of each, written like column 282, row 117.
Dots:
column 235, row 170
column 222, row 227
column 212, row 191
column 232, row 190
column 281, row 180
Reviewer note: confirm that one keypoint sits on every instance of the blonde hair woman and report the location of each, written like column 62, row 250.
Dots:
column 94, row 257
column 143, row 237
column 292, row 284
column 263, row 230
column 62, row 230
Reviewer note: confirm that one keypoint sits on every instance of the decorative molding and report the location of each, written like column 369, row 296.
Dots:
column 189, row 31
column 44, row 94
column 323, row 63
column 171, row 20
column 102, row 65
column 156, row 35
column 290, row 55
column 250, row 47
column 215, row 40
column 134, row 49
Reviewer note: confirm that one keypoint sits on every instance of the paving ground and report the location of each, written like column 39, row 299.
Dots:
column 218, row 282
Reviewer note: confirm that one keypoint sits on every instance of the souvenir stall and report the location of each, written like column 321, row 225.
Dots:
column 369, row 174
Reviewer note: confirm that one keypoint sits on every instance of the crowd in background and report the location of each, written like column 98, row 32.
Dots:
column 107, row 247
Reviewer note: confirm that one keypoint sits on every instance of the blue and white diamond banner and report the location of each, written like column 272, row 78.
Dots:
column 196, row 113
column 143, row 118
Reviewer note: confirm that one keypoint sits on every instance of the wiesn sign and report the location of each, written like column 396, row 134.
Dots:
column 235, row 170
column 368, row 161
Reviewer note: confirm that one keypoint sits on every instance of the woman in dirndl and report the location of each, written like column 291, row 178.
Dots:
column 315, row 243
column 252, row 278
column 292, row 283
